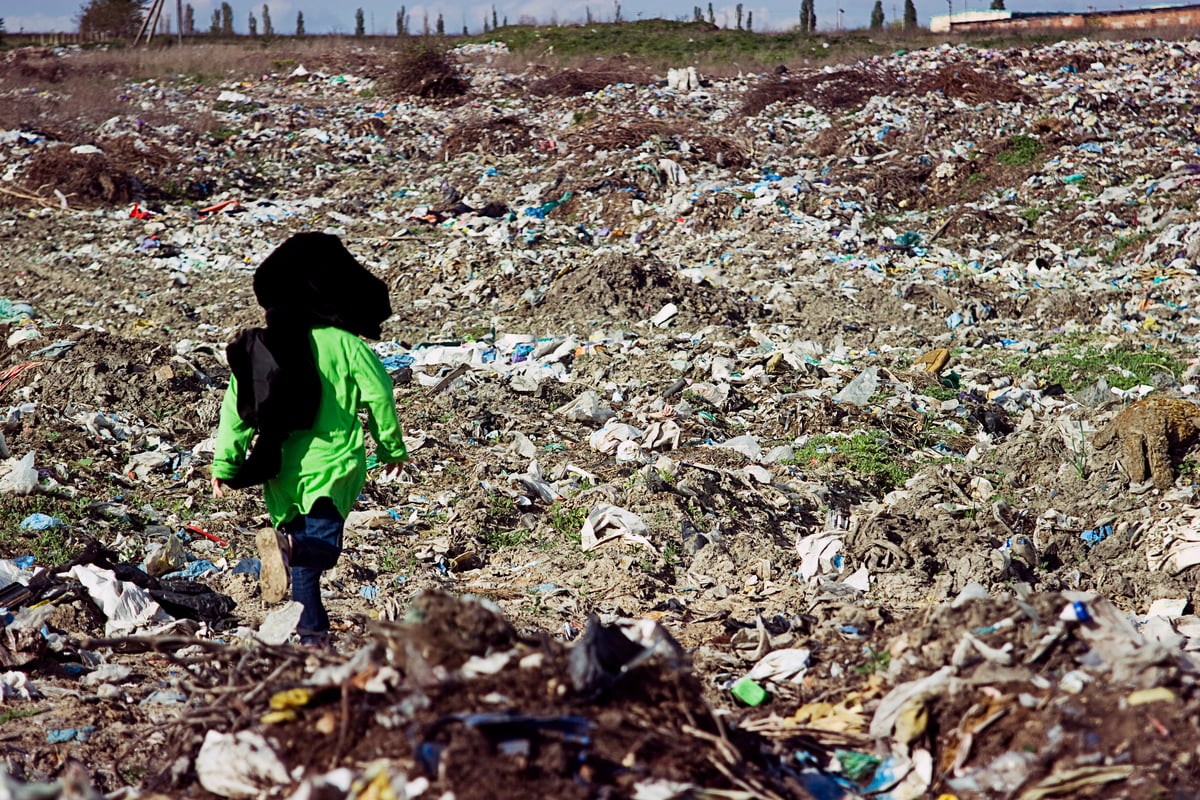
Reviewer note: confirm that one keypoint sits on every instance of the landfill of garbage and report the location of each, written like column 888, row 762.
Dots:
column 805, row 433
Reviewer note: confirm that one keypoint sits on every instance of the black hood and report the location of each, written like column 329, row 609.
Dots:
column 312, row 280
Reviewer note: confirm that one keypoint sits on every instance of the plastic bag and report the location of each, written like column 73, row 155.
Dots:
column 22, row 479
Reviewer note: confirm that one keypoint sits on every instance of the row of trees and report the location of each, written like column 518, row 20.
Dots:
column 123, row 17
column 698, row 16
column 910, row 14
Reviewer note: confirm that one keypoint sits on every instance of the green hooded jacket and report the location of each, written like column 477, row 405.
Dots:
column 330, row 459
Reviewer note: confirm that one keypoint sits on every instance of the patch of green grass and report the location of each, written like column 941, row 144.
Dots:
column 1022, row 150
column 50, row 547
column 497, row 539
column 635, row 479
column 1124, row 243
column 567, row 522
column 662, row 41
column 939, row 392
column 1123, row 367
column 976, row 177
column 132, row 775
column 500, row 506
column 17, row 713
column 196, row 77
column 391, row 559
column 1032, row 214
column 877, row 661
column 868, row 454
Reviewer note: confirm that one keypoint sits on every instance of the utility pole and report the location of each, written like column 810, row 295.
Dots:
column 179, row 21
column 840, row 12
column 149, row 22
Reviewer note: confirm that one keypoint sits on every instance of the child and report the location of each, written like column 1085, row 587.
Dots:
column 299, row 384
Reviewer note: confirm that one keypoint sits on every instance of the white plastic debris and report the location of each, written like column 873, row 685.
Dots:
column 227, row 96
column 608, row 523
column 126, row 606
column 106, row 673
column 683, row 79
column 280, row 624
column 1168, row 607
column 662, row 435
column 22, row 477
column 860, row 390
column 367, row 520
column 746, row 444
column 587, row 407
column 820, row 554
column 782, row 666
column 608, row 438
column 239, row 764
column 665, row 315
column 17, row 684
column 1173, row 544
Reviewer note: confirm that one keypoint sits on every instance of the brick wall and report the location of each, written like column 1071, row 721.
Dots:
column 1182, row 17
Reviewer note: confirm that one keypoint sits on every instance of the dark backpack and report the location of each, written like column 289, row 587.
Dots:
column 279, row 391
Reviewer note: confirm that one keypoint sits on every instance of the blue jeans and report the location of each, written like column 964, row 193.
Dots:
column 316, row 546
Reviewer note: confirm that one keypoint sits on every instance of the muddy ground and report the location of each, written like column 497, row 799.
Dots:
column 932, row 530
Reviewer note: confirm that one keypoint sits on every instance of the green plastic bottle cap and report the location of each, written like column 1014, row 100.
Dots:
column 749, row 692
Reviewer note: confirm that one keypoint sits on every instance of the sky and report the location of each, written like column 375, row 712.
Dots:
column 337, row 16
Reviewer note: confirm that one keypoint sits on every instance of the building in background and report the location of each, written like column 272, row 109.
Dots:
column 1149, row 18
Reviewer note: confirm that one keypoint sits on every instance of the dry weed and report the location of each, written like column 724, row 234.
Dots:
column 843, row 88
column 828, row 142
column 128, row 169
column 424, row 72
column 86, row 180
column 970, row 86
column 572, row 83
column 503, row 136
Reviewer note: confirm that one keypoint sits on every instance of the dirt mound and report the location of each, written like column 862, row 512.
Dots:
column 142, row 379
column 84, row 179
column 35, row 66
column 850, row 88
column 560, row 735
column 678, row 140
column 612, row 285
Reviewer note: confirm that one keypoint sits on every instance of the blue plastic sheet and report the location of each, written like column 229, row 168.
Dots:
column 248, row 566
column 41, row 522
column 194, row 569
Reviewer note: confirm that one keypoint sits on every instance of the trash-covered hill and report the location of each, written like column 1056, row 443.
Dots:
column 805, row 433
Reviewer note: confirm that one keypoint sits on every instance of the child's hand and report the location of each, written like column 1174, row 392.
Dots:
column 218, row 488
